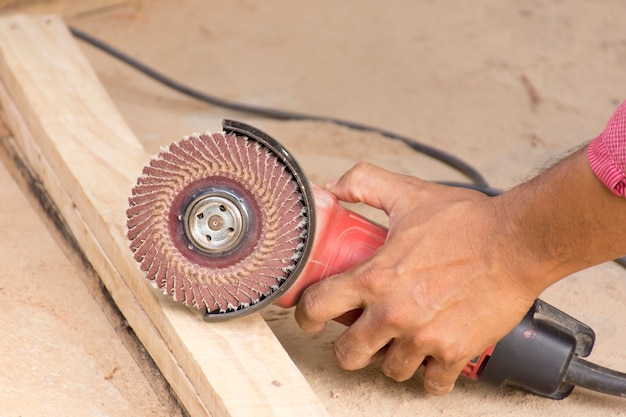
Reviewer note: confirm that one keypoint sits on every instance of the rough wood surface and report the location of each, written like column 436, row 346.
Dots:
column 88, row 159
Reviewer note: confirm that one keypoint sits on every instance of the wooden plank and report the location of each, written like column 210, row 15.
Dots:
column 79, row 145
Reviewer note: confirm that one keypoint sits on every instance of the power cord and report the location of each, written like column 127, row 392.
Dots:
column 279, row 114
column 479, row 182
column 595, row 377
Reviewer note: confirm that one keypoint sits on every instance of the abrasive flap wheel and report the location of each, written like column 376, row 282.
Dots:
column 219, row 221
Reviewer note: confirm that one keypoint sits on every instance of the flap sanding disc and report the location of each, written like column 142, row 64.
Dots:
column 218, row 221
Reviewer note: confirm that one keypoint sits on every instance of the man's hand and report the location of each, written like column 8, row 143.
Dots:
column 442, row 288
column 459, row 270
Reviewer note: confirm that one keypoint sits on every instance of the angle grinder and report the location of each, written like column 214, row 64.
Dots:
column 227, row 223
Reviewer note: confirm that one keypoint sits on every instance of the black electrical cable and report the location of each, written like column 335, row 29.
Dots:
column 437, row 154
column 596, row 378
column 480, row 184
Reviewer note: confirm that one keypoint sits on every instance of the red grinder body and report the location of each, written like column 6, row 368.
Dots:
column 343, row 239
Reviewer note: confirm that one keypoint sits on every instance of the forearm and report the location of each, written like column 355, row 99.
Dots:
column 563, row 221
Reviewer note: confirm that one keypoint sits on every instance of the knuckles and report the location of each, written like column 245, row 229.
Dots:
column 350, row 357
column 399, row 372
column 309, row 312
column 435, row 387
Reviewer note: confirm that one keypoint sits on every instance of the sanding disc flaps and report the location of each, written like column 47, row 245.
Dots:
column 240, row 183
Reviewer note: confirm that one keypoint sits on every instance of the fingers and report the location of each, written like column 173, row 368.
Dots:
column 401, row 360
column 403, row 357
column 363, row 341
column 372, row 338
column 439, row 377
column 361, row 344
column 326, row 300
column 374, row 186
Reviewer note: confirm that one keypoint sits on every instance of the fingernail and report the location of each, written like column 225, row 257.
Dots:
column 330, row 184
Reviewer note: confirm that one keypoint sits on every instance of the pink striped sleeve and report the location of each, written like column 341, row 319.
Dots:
column 607, row 153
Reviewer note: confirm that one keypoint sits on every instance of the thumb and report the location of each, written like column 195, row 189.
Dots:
column 372, row 185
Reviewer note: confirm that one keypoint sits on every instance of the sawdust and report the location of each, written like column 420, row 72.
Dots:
column 505, row 85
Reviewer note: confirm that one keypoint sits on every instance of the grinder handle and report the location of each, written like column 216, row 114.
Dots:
column 342, row 239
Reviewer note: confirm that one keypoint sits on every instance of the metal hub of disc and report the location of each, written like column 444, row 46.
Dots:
column 215, row 222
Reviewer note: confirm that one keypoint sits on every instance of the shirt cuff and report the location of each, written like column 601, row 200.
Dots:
column 606, row 153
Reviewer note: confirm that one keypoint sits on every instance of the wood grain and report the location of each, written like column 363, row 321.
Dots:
column 88, row 159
